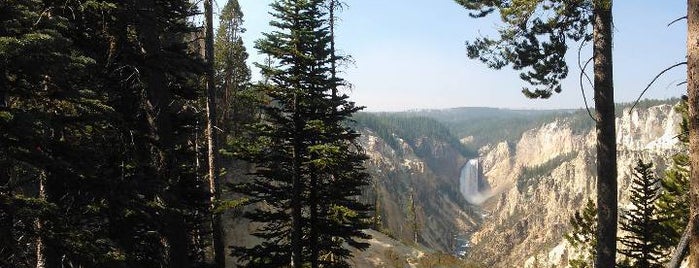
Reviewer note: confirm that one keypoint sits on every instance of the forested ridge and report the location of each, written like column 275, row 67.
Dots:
column 391, row 127
column 480, row 125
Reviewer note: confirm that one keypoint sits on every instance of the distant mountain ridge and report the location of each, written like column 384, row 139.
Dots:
column 479, row 126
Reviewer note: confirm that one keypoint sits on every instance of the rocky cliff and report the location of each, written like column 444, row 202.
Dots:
column 415, row 189
column 548, row 174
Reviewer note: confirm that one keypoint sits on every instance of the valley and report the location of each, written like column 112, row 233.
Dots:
column 501, row 200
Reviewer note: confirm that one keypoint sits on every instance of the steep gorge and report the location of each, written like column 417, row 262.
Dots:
column 424, row 170
column 516, row 209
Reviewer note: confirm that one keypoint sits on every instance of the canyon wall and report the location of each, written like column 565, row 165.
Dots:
column 549, row 174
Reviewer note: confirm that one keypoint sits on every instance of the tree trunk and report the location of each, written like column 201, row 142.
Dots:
column 8, row 246
column 158, row 114
column 212, row 140
column 297, row 192
column 606, row 136
column 39, row 225
column 693, row 103
column 681, row 249
column 314, row 221
column 47, row 255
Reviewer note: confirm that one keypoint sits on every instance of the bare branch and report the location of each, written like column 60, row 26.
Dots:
column 583, row 73
column 582, row 88
column 653, row 81
column 46, row 12
column 676, row 20
column 681, row 249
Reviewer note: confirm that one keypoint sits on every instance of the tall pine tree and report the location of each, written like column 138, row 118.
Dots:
column 309, row 164
column 238, row 102
column 645, row 233
column 693, row 107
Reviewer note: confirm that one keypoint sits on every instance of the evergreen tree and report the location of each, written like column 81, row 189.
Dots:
column 645, row 232
column 673, row 203
column 582, row 237
column 310, row 170
column 239, row 101
column 151, row 38
column 97, row 115
column 52, row 116
column 212, row 140
column 413, row 224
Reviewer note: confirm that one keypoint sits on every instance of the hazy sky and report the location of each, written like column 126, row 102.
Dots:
column 410, row 54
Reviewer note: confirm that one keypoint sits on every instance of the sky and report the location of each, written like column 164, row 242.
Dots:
column 410, row 54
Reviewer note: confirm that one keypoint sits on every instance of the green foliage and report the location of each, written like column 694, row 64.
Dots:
column 97, row 109
column 485, row 125
column 227, row 205
column 583, row 236
column 531, row 175
column 309, row 169
column 490, row 125
column 51, row 120
column 645, row 104
column 534, row 44
column 392, row 127
column 673, row 203
column 643, row 243
column 238, row 101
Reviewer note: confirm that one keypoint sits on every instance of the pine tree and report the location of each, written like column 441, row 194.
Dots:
column 582, row 237
column 239, row 101
column 212, row 140
column 673, row 203
column 413, row 224
column 52, row 116
column 645, row 232
column 310, row 172
column 95, row 132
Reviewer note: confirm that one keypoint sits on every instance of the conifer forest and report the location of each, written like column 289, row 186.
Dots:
column 147, row 133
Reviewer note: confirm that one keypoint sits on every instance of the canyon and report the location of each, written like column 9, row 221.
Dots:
column 509, row 204
column 498, row 200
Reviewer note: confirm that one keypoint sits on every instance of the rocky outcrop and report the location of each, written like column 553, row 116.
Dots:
column 549, row 174
column 425, row 170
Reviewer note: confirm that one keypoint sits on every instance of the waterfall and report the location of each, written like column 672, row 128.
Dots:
column 469, row 183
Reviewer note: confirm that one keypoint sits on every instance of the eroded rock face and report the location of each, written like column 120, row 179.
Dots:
column 497, row 163
column 428, row 169
column 550, row 174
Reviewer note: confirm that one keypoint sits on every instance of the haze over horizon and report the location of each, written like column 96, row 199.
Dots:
column 410, row 55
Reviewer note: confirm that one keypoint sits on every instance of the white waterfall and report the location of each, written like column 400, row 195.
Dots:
column 468, row 183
